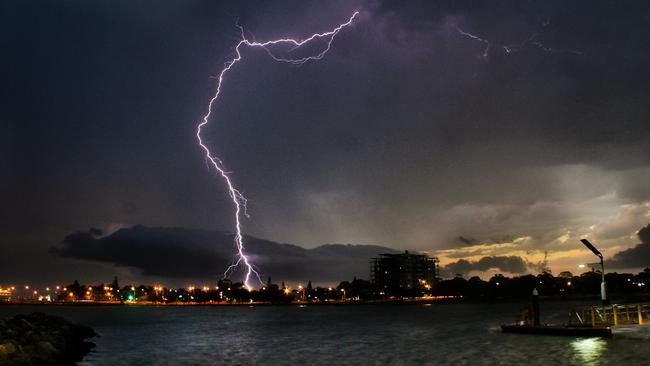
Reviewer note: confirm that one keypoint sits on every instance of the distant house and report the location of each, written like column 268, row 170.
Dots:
column 404, row 274
column 5, row 295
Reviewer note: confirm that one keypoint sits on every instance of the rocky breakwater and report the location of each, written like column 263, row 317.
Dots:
column 39, row 339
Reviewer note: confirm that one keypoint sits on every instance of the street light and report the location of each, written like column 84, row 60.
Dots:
column 589, row 265
column 603, row 291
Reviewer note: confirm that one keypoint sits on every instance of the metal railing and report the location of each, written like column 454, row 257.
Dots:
column 611, row 315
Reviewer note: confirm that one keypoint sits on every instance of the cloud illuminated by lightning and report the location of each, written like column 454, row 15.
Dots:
column 238, row 199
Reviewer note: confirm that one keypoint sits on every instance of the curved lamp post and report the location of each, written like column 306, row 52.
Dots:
column 603, row 291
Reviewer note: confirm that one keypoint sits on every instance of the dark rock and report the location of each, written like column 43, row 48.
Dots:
column 40, row 339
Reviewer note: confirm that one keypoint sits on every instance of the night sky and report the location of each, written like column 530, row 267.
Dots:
column 409, row 134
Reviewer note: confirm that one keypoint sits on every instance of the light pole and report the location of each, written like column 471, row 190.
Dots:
column 603, row 290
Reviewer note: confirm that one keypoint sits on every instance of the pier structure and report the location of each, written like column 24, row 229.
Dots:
column 612, row 315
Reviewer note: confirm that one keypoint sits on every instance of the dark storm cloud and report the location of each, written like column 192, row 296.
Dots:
column 428, row 125
column 637, row 256
column 467, row 241
column 507, row 264
column 402, row 134
column 155, row 252
column 200, row 254
column 95, row 231
column 607, row 34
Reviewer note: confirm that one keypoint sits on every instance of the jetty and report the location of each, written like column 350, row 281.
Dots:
column 592, row 321
column 611, row 315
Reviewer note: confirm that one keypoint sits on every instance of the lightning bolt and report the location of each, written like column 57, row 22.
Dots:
column 238, row 200
column 511, row 48
column 477, row 38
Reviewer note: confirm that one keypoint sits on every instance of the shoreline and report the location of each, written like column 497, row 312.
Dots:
column 393, row 302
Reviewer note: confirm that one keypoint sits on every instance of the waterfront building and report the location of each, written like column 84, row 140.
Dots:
column 405, row 274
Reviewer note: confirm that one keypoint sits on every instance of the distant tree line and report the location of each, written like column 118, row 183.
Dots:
column 564, row 285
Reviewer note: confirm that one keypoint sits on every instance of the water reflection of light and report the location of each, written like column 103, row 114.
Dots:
column 589, row 350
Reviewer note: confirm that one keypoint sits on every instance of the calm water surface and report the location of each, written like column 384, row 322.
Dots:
column 452, row 334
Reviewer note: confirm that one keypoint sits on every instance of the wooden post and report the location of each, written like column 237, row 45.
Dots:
column 615, row 311
column 638, row 310
column 593, row 317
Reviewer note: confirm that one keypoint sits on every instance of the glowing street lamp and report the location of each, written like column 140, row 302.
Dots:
column 603, row 291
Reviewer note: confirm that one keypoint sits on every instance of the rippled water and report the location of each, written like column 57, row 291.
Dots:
column 452, row 334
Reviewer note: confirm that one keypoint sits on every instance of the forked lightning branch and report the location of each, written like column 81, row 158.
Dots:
column 238, row 199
